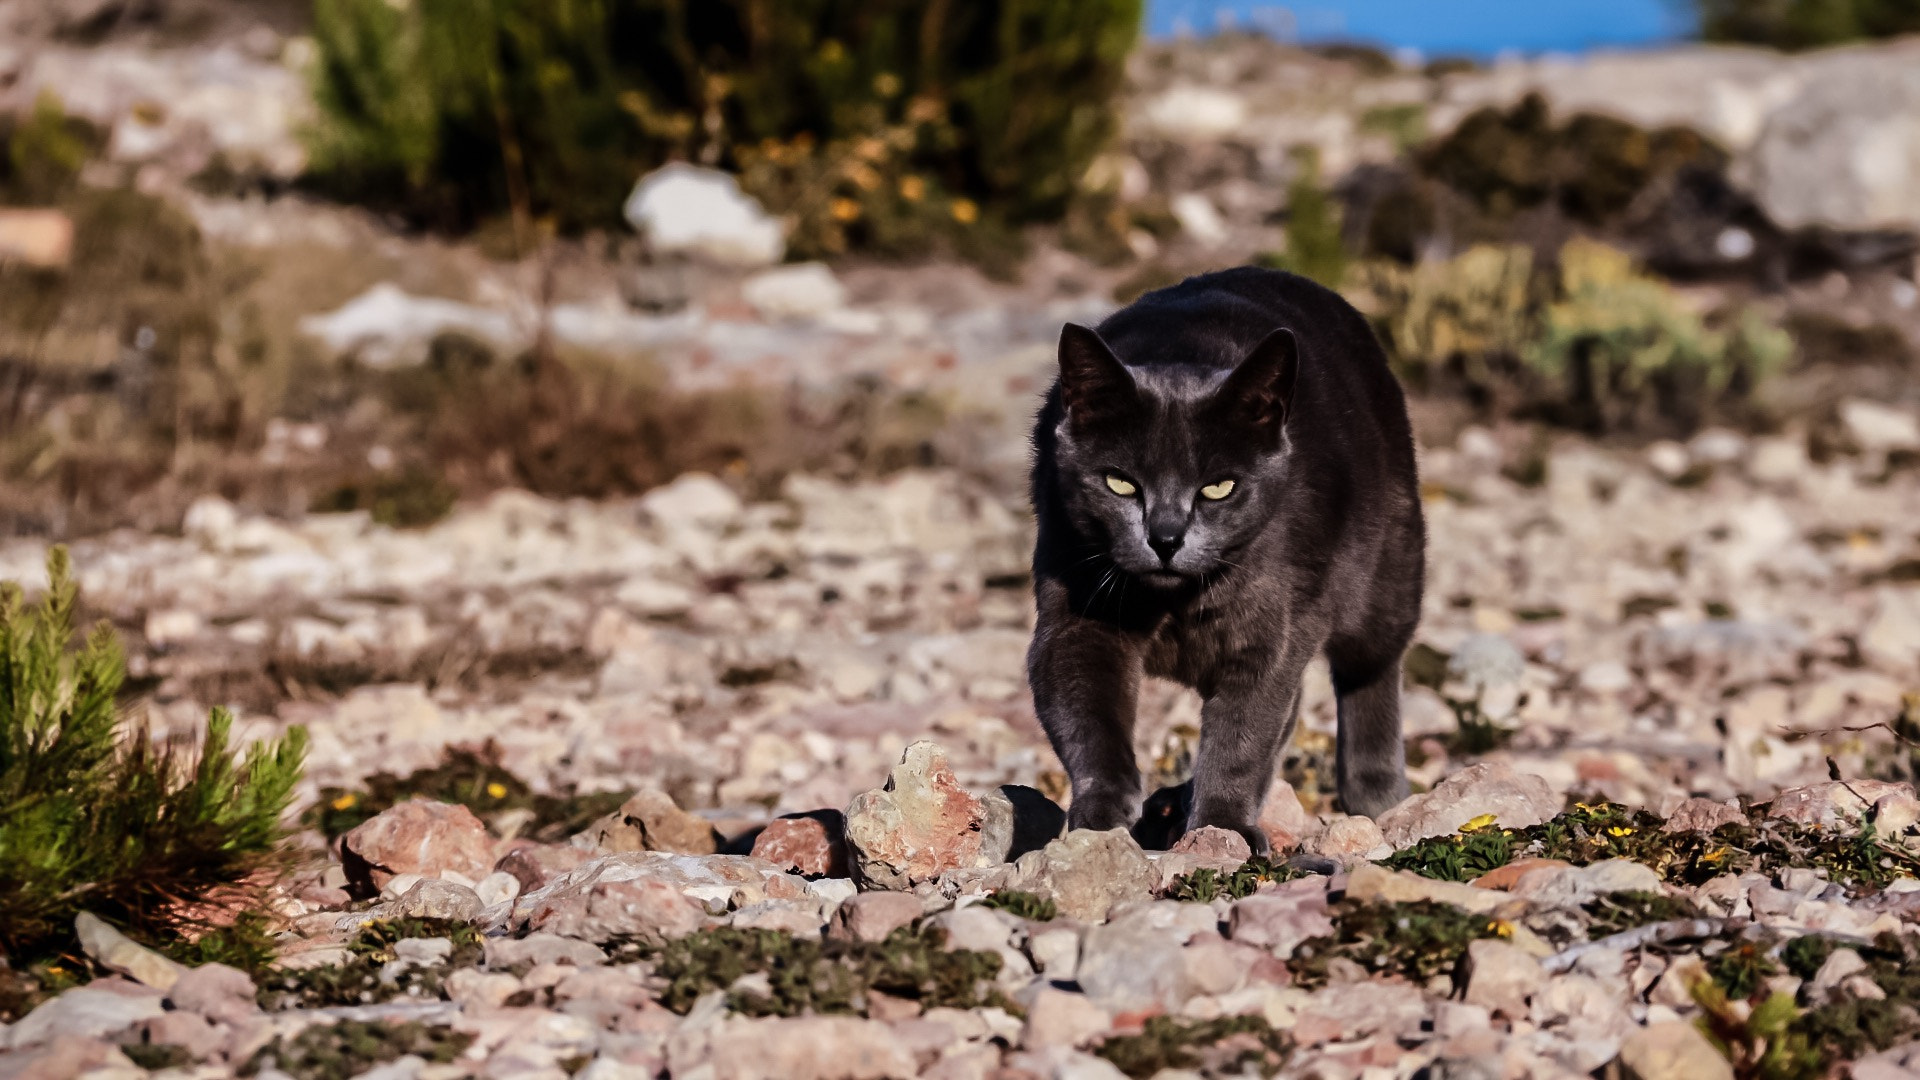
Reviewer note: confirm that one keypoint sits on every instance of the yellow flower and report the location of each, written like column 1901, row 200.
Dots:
column 1714, row 856
column 966, row 211
column 1501, row 927
column 1619, row 830
column 845, row 210
column 912, row 188
column 886, row 84
column 345, row 802
column 1481, row 822
column 497, row 790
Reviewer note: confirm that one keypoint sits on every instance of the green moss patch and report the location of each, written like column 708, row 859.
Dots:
column 803, row 975
column 1228, row 1046
column 1206, row 884
column 349, row 1048
column 1621, row 911
column 358, row 981
column 1594, row 832
column 1415, row 941
column 1025, row 905
column 473, row 777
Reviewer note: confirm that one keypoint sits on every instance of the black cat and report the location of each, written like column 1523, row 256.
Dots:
column 1224, row 483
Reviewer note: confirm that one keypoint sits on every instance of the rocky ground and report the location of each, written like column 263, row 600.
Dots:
column 725, row 787
column 1690, row 629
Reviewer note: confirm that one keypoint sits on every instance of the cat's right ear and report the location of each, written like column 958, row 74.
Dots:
column 1094, row 385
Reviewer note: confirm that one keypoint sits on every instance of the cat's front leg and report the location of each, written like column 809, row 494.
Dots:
column 1085, row 676
column 1243, row 728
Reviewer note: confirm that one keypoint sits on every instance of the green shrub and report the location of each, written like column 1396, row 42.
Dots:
column 1593, row 343
column 1315, row 248
column 1806, row 24
column 89, row 820
column 877, row 123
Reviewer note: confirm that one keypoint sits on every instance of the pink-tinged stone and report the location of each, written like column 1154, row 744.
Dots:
column 534, row 865
column 871, row 916
column 1279, row 920
column 416, row 837
column 1347, row 840
column 1506, row 877
column 812, row 845
column 1833, row 804
column 1284, row 820
column 920, row 825
column 650, row 821
column 1702, row 815
column 648, row 909
column 1515, row 800
column 1224, row 846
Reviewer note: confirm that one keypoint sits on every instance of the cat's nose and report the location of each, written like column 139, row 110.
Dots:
column 1164, row 543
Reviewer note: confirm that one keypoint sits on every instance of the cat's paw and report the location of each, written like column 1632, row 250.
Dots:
column 1094, row 812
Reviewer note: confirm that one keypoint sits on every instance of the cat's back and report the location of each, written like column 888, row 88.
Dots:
column 1212, row 320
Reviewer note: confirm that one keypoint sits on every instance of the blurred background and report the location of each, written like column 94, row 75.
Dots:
column 644, row 384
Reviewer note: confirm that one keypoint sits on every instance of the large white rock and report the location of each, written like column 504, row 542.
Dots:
column 686, row 210
column 1196, row 112
column 802, row 291
column 1846, row 151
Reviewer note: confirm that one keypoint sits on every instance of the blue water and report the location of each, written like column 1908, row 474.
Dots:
column 1481, row 28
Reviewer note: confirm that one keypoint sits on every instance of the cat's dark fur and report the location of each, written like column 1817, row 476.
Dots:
column 1268, row 380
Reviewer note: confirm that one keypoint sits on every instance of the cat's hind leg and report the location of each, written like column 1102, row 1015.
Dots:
column 1370, row 756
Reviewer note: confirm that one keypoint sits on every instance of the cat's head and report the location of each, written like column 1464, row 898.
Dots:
column 1174, row 466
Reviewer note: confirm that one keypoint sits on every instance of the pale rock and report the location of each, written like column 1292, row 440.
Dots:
column 41, row 239
column 471, row 988
column 1668, row 458
column 1879, row 428
column 1574, row 886
column 1279, row 920
column 683, row 209
column 650, row 821
column 601, row 910
column 1672, row 1051
column 116, row 952
column 1606, row 677
column 1138, row 960
column 1891, row 640
column 800, row 291
column 1845, row 152
column 1282, row 817
column 1835, row 804
column 1702, row 815
column 1516, row 800
column 871, row 916
column 799, row 918
column 1347, row 839
column 541, row 948
column 1056, row 952
column 1371, row 881
column 1087, row 873
column 1778, row 460
column 420, row 837
column 809, row 1048
column 83, row 1011
column 1840, row 965
column 1483, row 662
column 921, row 824
column 499, row 887
column 1199, row 218
column 431, row 898
column 1060, row 1018
column 693, row 498
column 1502, row 977
column 220, row 993
column 1202, row 113
column 191, row 1032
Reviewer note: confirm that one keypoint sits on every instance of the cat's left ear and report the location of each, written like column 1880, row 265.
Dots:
column 1259, row 392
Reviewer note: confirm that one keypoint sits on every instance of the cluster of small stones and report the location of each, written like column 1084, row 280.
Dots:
column 565, row 983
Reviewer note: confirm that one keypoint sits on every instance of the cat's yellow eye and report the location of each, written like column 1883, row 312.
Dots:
column 1218, row 491
column 1119, row 486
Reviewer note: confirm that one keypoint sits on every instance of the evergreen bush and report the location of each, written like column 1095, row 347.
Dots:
column 1806, row 24
column 116, row 826
column 870, row 122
